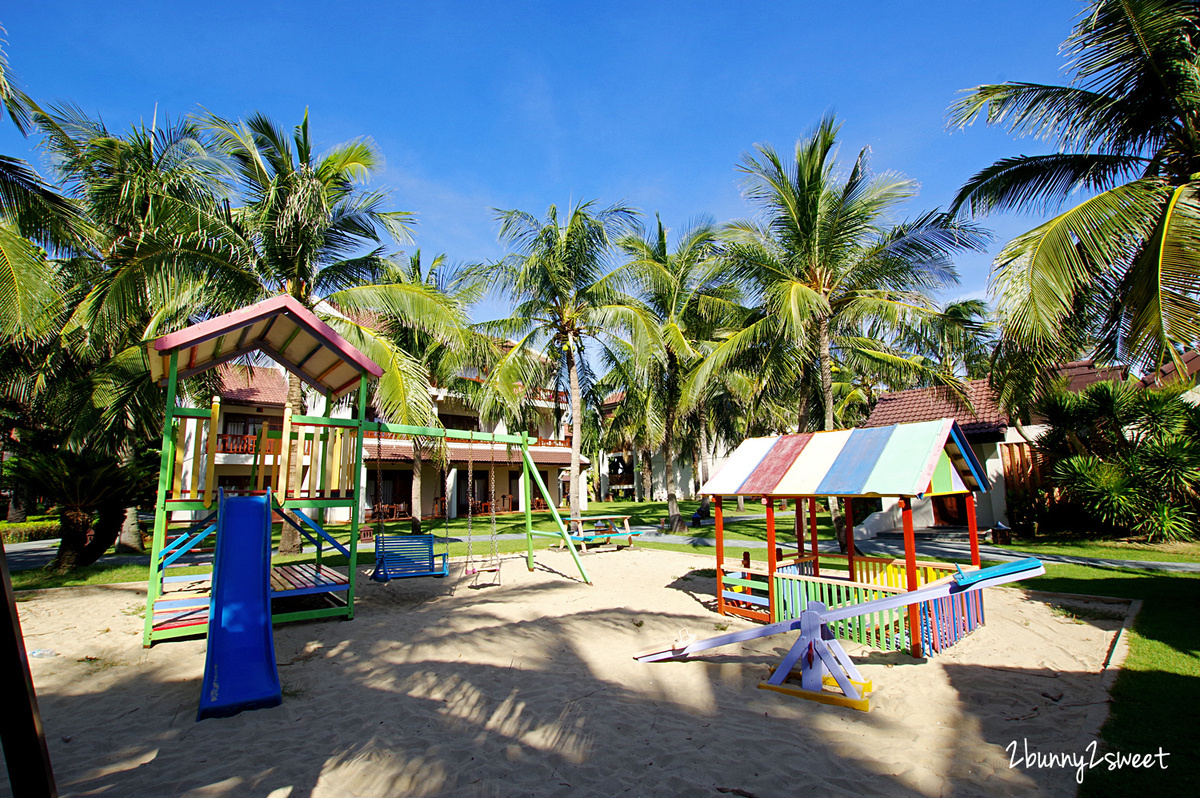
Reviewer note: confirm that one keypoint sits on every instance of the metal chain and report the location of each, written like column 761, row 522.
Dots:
column 470, row 488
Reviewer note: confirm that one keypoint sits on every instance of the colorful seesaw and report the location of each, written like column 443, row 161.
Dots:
column 822, row 660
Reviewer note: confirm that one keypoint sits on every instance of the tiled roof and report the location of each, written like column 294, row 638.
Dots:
column 927, row 404
column 401, row 451
column 1169, row 374
column 1083, row 373
column 252, row 385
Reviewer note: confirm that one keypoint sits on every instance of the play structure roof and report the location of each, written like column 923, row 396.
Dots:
column 282, row 328
column 920, row 459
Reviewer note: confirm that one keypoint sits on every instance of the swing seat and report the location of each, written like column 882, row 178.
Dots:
column 402, row 556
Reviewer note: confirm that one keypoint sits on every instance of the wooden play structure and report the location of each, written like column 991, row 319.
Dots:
column 816, row 660
column 905, row 461
column 329, row 480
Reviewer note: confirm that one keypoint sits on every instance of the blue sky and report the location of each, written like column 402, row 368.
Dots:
column 522, row 104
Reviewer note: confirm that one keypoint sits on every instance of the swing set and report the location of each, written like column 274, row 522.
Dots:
column 311, row 465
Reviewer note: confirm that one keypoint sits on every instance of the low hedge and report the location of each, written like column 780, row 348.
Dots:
column 30, row 530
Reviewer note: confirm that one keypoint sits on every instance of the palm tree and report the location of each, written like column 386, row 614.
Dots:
column 831, row 276
column 459, row 286
column 959, row 337
column 690, row 297
column 830, row 273
column 564, row 298
column 307, row 221
column 90, row 491
column 1115, row 271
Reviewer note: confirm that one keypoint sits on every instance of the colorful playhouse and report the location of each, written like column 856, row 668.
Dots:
column 905, row 461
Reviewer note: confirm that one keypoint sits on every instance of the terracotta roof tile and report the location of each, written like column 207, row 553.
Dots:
column 1169, row 374
column 252, row 385
column 1083, row 373
column 928, row 404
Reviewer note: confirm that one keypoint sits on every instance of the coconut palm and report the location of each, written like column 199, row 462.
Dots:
column 318, row 235
column 565, row 298
column 89, row 490
column 1115, row 270
column 691, row 299
column 831, row 274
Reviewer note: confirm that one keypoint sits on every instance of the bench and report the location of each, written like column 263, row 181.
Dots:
column 605, row 527
column 401, row 556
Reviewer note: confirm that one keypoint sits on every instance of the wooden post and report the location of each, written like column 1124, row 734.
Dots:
column 285, row 452
column 355, row 481
column 812, row 527
column 527, row 500
column 770, row 558
column 910, row 569
column 973, row 529
column 850, row 540
column 24, row 741
column 720, row 518
column 166, row 459
column 210, row 472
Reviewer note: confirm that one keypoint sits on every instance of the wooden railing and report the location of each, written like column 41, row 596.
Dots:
column 246, row 444
column 886, row 630
column 564, row 443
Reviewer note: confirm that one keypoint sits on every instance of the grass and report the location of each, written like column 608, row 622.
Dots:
column 1159, row 681
column 1109, row 549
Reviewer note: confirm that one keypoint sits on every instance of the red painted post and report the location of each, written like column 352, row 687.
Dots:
column 850, row 540
column 720, row 555
column 771, row 558
column 812, row 526
column 910, row 568
column 972, row 529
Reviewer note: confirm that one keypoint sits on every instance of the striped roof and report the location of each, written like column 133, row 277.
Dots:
column 919, row 459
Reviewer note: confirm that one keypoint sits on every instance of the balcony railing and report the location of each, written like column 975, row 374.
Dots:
column 245, row 444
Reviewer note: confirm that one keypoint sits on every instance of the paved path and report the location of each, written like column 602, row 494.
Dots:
column 25, row 556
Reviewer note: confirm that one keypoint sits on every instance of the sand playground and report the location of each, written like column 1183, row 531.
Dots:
column 529, row 688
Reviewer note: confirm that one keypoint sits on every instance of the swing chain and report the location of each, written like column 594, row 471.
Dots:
column 470, row 490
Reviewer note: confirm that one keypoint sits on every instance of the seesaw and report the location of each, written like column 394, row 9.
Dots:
column 822, row 660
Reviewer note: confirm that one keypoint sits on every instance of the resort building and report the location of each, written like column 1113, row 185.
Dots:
column 253, row 398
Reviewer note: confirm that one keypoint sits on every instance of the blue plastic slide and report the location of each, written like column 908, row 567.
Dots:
column 239, row 668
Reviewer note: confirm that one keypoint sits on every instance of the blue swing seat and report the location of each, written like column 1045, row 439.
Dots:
column 402, row 556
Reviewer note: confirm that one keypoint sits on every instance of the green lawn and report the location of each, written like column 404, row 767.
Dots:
column 1110, row 549
column 1159, row 684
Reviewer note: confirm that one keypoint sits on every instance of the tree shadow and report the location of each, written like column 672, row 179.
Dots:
column 433, row 690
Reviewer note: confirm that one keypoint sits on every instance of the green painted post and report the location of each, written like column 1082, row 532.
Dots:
column 358, row 488
column 166, row 465
column 562, row 528
column 527, row 499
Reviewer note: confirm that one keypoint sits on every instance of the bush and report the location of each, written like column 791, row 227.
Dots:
column 30, row 530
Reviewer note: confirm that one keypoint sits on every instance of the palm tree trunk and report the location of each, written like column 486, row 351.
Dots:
column 289, row 538
column 416, row 488
column 705, row 501
column 16, row 506
column 130, row 539
column 576, row 427
column 673, row 520
column 647, row 475
column 826, row 361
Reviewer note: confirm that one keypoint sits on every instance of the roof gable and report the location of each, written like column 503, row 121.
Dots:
column 282, row 328
column 924, row 458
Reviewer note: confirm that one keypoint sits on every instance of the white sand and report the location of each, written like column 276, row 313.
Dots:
column 530, row 689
